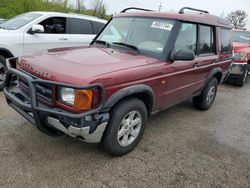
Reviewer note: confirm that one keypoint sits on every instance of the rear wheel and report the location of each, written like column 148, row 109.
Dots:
column 3, row 71
column 125, row 128
column 206, row 99
column 241, row 80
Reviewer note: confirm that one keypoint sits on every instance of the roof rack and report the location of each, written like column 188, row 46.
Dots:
column 193, row 9
column 135, row 8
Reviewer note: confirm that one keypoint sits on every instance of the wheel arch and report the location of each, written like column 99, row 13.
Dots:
column 217, row 73
column 141, row 91
column 6, row 53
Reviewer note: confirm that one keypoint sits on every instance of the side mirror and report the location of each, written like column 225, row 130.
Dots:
column 182, row 55
column 37, row 28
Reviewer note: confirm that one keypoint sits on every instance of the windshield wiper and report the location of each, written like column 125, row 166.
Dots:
column 126, row 45
column 100, row 42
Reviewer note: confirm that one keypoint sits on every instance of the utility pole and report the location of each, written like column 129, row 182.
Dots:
column 160, row 6
column 222, row 14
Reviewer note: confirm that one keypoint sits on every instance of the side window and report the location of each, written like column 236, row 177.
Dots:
column 80, row 26
column 187, row 37
column 55, row 25
column 206, row 40
column 97, row 26
column 226, row 40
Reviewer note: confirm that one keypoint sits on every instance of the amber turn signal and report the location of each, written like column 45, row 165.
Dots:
column 83, row 100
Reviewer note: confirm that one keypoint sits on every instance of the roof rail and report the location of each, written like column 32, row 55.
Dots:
column 85, row 15
column 135, row 8
column 194, row 9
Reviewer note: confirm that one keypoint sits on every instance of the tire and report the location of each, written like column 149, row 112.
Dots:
column 130, row 134
column 241, row 80
column 206, row 99
column 3, row 71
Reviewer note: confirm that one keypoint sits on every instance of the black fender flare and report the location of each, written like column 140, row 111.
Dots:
column 6, row 52
column 213, row 73
column 130, row 91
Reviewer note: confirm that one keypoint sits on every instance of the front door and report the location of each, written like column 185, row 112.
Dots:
column 54, row 36
column 181, row 76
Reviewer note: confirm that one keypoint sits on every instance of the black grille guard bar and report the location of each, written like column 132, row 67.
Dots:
column 34, row 106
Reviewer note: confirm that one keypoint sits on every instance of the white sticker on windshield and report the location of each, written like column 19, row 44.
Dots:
column 245, row 38
column 161, row 25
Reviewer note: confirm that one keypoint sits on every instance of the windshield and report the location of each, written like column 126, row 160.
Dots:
column 148, row 35
column 241, row 36
column 19, row 21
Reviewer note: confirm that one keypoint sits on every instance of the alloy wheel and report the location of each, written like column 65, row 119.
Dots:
column 3, row 71
column 245, row 76
column 129, row 128
column 210, row 94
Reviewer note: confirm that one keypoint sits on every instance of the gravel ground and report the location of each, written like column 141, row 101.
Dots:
column 181, row 147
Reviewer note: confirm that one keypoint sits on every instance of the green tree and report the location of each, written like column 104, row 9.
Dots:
column 80, row 6
column 98, row 8
column 238, row 19
column 11, row 8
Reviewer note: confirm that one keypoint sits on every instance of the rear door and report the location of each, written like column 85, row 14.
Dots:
column 225, row 50
column 206, row 53
column 97, row 26
column 81, row 32
column 55, row 35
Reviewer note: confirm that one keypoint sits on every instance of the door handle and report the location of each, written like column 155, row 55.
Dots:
column 196, row 64
column 63, row 38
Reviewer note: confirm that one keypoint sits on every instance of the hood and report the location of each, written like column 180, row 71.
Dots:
column 80, row 65
column 3, row 31
column 239, row 45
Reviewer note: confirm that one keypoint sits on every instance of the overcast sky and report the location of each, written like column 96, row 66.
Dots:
column 217, row 7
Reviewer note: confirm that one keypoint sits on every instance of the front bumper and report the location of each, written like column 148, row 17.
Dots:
column 87, row 126
column 238, row 69
column 82, row 133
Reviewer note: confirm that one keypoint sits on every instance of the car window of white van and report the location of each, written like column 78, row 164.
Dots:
column 54, row 25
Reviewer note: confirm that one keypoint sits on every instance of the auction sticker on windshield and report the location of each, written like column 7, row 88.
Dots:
column 245, row 38
column 162, row 25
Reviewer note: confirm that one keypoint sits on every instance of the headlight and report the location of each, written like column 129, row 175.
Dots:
column 67, row 95
column 240, row 57
column 80, row 100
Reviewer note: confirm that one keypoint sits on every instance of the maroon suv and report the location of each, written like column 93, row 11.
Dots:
column 241, row 65
column 141, row 63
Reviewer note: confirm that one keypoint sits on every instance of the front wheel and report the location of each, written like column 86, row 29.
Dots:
column 241, row 80
column 206, row 99
column 3, row 71
column 125, row 128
